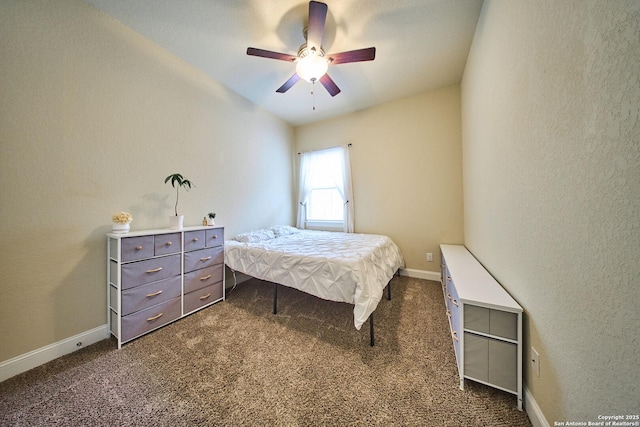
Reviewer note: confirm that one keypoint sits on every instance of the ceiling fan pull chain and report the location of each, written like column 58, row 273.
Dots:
column 313, row 93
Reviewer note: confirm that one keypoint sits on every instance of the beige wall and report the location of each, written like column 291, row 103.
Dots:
column 406, row 170
column 551, row 164
column 92, row 118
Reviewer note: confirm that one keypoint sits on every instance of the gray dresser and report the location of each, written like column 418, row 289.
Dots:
column 485, row 323
column 155, row 277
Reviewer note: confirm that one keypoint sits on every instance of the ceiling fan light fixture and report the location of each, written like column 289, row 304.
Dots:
column 312, row 65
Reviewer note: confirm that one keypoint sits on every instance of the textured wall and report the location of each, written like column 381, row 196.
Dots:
column 92, row 118
column 406, row 165
column 551, row 164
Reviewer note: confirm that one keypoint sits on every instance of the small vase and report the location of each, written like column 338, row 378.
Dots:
column 175, row 222
column 120, row 228
column 210, row 221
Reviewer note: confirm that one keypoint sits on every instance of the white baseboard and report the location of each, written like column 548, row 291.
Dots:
column 533, row 410
column 420, row 274
column 24, row 362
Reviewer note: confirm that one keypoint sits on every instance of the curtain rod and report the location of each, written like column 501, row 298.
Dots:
column 328, row 148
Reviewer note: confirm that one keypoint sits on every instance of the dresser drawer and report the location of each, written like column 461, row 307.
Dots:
column 150, row 318
column 145, row 296
column 201, row 278
column 503, row 364
column 166, row 244
column 214, row 237
column 476, row 318
column 494, row 322
column 194, row 240
column 490, row 360
column 151, row 270
column 134, row 248
column 201, row 297
column 454, row 307
column 203, row 258
column 445, row 277
column 476, row 357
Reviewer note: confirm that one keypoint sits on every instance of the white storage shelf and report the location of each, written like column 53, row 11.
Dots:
column 155, row 277
column 485, row 323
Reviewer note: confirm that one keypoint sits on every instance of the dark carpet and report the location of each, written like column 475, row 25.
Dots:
column 237, row 364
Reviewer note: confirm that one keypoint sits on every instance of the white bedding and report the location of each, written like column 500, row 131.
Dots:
column 344, row 267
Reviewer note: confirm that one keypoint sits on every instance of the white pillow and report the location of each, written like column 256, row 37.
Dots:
column 283, row 230
column 255, row 236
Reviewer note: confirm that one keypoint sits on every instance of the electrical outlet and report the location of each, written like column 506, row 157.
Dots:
column 429, row 257
column 535, row 361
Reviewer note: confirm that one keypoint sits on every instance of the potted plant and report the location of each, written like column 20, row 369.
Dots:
column 210, row 218
column 177, row 181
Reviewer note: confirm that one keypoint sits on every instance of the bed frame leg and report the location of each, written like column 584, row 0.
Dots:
column 275, row 298
column 397, row 273
column 372, row 341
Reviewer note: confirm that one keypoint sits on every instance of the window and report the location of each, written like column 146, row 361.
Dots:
column 325, row 189
column 325, row 202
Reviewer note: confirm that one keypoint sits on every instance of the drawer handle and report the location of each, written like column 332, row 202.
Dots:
column 214, row 236
column 449, row 296
column 455, row 302
column 195, row 239
column 151, row 319
column 449, row 278
column 205, row 278
column 139, row 248
column 454, row 334
column 448, row 313
column 205, row 259
column 154, row 294
column 203, row 297
column 169, row 243
column 155, row 270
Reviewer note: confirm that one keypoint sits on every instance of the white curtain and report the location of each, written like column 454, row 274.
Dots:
column 309, row 164
column 348, row 191
column 303, row 188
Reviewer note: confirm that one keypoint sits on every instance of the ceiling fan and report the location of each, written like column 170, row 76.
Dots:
column 312, row 62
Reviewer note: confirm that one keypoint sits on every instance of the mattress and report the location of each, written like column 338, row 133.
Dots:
column 343, row 267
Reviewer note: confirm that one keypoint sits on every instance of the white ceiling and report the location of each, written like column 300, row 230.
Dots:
column 420, row 45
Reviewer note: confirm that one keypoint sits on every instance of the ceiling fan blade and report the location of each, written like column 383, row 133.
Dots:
column 368, row 54
column 329, row 85
column 317, row 18
column 288, row 84
column 269, row 54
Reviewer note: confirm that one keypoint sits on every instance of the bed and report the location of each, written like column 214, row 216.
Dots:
column 344, row 267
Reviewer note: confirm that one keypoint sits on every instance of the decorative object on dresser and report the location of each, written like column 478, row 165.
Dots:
column 177, row 181
column 210, row 218
column 485, row 322
column 157, row 276
column 121, row 222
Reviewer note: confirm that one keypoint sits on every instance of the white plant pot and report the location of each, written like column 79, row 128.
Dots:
column 210, row 221
column 120, row 228
column 175, row 222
